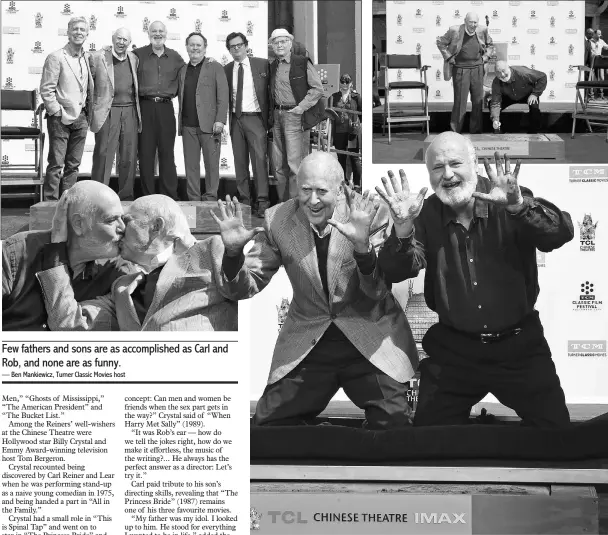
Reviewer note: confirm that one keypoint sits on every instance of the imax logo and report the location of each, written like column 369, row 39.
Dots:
column 593, row 346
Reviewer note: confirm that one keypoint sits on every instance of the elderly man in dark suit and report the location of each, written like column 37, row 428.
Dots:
column 465, row 52
column 344, row 327
column 116, row 117
column 248, row 82
column 203, row 107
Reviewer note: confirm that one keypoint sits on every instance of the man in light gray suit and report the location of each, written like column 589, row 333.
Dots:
column 116, row 117
column 465, row 51
column 203, row 110
column 65, row 88
column 178, row 286
column 344, row 327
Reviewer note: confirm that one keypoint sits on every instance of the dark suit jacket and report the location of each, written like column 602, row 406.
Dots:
column 587, row 61
column 211, row 95
column 260, row 69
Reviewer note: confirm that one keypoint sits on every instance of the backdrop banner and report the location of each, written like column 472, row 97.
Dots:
column 547, row 36
column 32, row 30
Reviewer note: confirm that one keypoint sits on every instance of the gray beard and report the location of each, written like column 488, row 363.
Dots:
column 458, row 196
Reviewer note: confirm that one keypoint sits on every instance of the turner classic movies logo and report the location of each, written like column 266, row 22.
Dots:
column 12, row 8
column 514, row 22
column 587, row 348
column 249, row 27
column 587, row 233
column 587, row 298
column 399, row 20
column 438, row 21
column 38, row 20
column 120, row 12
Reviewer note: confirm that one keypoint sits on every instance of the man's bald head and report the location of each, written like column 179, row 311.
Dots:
column 503, row 71
column 89, row 217
column 322, row 164
column 471, row 20
column 153, row 223
column 449, row 139
column 319, row 185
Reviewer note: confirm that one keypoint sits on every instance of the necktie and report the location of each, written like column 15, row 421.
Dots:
column 239, row 92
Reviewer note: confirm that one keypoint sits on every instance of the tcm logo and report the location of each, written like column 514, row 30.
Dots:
column 250, row 52
column 67, row 10
column 552, row 75
column 286, row 517
column 495, row 14
column 438, row 75
column 540, row 258
column 438, row 94
column 588, row 174
column 533, row 14
column 224, row 164
column 399, row 20
column 587, row 233
column 532, row 49
column 38, row 20
column 8, row 84
column 38, row 48
column 249, row 27
column 514, row 41
column 418, row 14
column 514, row 22
column 571, row 15
column 5, row 160
column 591, row 346
column 12, row 8
column 399, row 40
column 172, row 14
column 198, row 25
column 457, row 13
column 552, row 41
column 399, row 75
column 570, row 50
column 399, row 94
column 92, row 48
column 552, row 22
column 587, row 298
column 225, row 17
column 120, row 12
column 145, row 24
column 10, row 56
column 418, row 48
column 438, row 21
column 93, row 22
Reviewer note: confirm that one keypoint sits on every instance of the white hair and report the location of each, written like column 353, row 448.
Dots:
column 154, row 206
column 449, row 134
column 159, row 22
column 118, row 29
column 331, row 166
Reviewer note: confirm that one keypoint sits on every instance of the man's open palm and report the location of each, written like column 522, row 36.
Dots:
column 504, row 187
column 362, row 211
column 232, row 231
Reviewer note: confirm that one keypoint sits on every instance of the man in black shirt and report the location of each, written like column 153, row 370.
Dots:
column 477, row 239
column 157, row 75
column 517, row 85
column 203, row 109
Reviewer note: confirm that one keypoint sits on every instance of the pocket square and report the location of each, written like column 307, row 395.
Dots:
column 263, row 74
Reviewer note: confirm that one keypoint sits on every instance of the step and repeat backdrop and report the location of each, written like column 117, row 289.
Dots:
column 547, row 36
column 31, row 30
column 573, row 300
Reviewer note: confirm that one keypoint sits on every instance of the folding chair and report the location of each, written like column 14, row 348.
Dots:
column 406, row 114
column 331, row 114
column 17, row 100
column 591, row 112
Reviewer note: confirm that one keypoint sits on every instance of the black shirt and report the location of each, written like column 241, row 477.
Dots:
column 158, row 76
column 484, row 279
column 189, row 113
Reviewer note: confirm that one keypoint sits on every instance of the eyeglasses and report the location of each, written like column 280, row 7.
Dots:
column 237, row 46
column 282, row 42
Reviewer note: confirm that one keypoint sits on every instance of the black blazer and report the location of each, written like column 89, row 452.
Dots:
column 260, row 69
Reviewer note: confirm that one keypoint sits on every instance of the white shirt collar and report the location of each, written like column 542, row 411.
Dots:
column 118, row 57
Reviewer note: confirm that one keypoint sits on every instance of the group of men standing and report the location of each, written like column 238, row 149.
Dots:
column 466, row 52
column 125, row 98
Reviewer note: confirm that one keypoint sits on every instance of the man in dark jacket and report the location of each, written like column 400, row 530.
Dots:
column 517, row 85
column 295, row 96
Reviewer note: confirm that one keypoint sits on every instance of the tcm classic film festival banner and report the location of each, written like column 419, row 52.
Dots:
column 32, row 30
column 547, row 36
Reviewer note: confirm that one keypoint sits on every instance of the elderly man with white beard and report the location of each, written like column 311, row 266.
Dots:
column 477, row 238
column 177, row 285
column 88, row 222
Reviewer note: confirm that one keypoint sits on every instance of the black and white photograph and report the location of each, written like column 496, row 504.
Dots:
column 527, row 78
